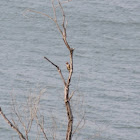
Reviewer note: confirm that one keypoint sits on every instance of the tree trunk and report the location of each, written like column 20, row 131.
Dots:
column 69, row 114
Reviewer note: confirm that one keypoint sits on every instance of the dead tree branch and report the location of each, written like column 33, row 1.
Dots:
column 57, row 69
column 11, row 125
column 63, row 2
column 41, row 126
column 78, row 125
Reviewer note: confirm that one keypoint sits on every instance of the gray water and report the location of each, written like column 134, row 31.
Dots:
column 106, row 38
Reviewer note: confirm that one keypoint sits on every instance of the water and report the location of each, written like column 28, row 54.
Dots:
column 106, row 38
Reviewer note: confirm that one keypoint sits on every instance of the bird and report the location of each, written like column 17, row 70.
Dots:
column 68, row 66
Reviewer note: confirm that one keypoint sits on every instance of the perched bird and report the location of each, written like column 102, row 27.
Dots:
column 68, row 66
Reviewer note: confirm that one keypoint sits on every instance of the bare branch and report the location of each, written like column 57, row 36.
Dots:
column 16, row 112
column 71, row 95
column 63, row 2
column 57, row 69
column 54, row 11
column 55, row 18
column 76, row 89
column 29, row 10
column 63, row 24
column 11, row 125
column 78, row 125
column 41, row 127
column 54, row 127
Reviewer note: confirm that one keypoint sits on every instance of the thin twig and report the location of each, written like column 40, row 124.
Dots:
column 71, row 95
column 19, row 117
column 41, row 127
column 54, row 127
column 55, row 18
column 77, row 127
column 29, row 10
column 63, row 2
column 54, row 11
column 63, row 24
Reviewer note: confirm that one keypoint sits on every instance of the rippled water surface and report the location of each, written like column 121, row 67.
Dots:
column 106, row 38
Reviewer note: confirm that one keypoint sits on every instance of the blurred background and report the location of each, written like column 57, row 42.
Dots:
column 106, row 38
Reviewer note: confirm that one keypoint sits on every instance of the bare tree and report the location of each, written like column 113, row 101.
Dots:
column 67, row 97
column 26, row 114
column 33, row 108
